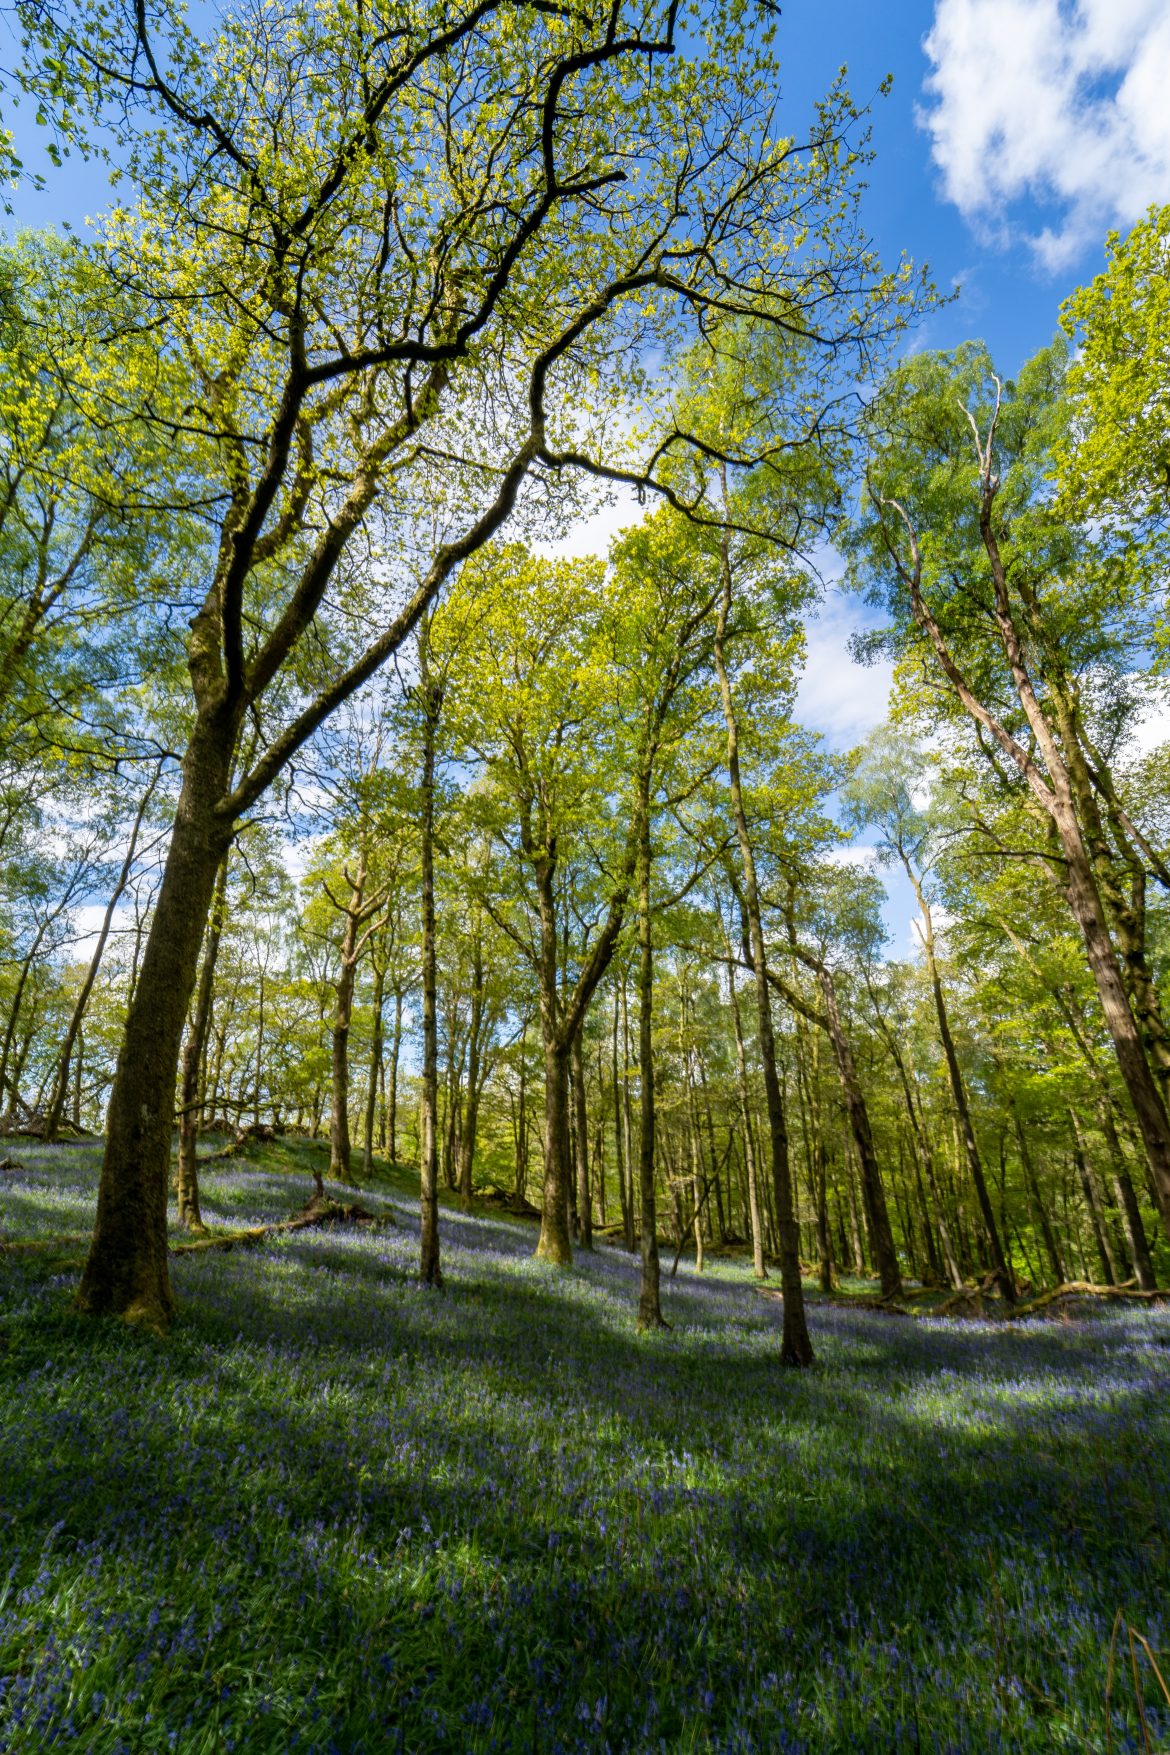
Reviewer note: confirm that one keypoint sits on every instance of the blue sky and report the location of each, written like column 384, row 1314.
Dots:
column 1018, row 132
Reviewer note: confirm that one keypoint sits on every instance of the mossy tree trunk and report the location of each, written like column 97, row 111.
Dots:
column 126, row 1271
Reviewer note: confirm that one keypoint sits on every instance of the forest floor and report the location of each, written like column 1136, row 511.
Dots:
column 336, row 1511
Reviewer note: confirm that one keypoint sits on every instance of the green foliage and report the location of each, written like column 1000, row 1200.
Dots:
column 89, row 551
column 1116, row 464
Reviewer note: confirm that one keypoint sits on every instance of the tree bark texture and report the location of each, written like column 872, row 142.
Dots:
column 126, row 1271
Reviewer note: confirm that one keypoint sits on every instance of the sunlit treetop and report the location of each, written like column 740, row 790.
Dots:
column 1118, row 463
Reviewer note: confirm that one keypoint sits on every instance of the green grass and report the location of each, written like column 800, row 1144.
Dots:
column 334, row 1511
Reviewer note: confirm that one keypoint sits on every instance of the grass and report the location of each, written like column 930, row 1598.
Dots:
column 334, row 1511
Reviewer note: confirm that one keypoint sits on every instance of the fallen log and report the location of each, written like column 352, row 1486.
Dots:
column 326, row 1212
column 256, row 1133
column 1085, row 1289
column 35, row 1126
column 971, row 1296
column 18, row 1245
column 504, row 1200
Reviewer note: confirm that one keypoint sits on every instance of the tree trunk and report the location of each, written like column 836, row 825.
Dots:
column 474, row 1051
column 1119, row 1020
column 938, row 1270
column 905, row 1068
column 627, row 1122
column 649, row 1292
column 1051, row 1247
column 721, row 1220
column 696, row 1185
column 77, row 1075
column 1095, row 1204
column 881, row 1238
column 753, row 1181
column 339, row 1140
column 581, row 1119
column 854, row 1224
column 554, row 1244
column 8, row 1079
column 808, row 1085
column 1127, row 1202
column 521, row 1123
column 795, row 1344
column 431, row 695
column 375, row 1070
column 126, row 1271
column 453, row 1114
column 191, row 1109
column 392, row 1080
column 559, row 1023
column 624, row 1201
column 999, row 1264
column 597, row 1177
column 258, row 1083
column 61, row 1085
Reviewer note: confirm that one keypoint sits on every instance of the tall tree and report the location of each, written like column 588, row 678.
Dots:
column 665, row 587
column 531, row 702
column 426, row 259
column 1013, row 608
column 880, row 795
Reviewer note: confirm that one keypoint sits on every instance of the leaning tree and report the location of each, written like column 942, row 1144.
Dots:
column 408, row 256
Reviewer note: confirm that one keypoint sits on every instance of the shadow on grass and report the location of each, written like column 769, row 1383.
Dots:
column 341, row 1509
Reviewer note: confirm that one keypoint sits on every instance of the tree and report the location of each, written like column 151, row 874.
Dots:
column 431, row 689
column 1014, row 609
column 880, row 795
column 1116, row 459
column 191, row 1097
column 532, row 703
column 82, row 549
column 663, row 594
column 61, row 1083
column 750, row 394
column 404, row 306
column 795, row 1345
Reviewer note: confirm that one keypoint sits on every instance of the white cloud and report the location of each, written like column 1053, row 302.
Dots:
column 87, row 924
column 839, row 698
column 1062, row 103
column 592, row 533
column 1152, row 727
